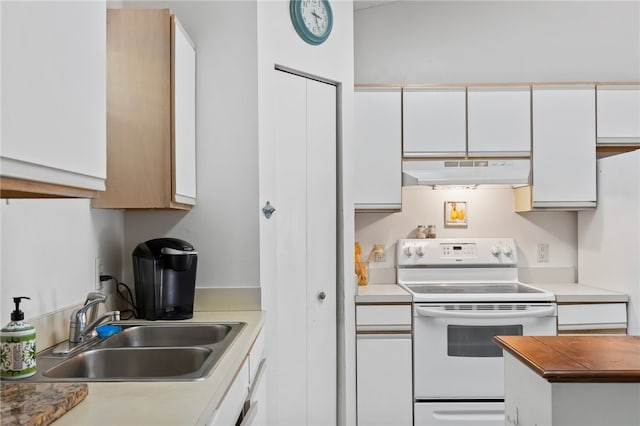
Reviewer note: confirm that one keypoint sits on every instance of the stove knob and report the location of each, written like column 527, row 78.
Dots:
column 507, row 251
column 407, row 251
column 495, row 250
column 419, row 252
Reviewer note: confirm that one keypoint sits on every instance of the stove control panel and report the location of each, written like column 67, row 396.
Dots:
column 464, row 251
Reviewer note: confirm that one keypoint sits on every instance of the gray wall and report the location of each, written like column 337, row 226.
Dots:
column 223, row 226
column 498, row 41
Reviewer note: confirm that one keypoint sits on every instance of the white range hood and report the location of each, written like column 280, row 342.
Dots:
column 466, row 172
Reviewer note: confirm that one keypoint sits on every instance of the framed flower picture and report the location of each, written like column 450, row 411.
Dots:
column 455, row 214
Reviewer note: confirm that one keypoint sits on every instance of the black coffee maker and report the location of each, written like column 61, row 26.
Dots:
column 165, row 279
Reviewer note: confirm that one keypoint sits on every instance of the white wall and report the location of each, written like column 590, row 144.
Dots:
column 49, row 249
column 223, row 226
column 498, row 41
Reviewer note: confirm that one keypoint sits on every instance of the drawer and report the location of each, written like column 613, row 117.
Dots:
column 592, row 316
column 383, row 315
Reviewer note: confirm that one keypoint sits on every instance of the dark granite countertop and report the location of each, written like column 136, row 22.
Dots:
column 38, row 403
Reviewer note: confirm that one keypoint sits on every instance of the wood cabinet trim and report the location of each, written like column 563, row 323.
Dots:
column 20, row 188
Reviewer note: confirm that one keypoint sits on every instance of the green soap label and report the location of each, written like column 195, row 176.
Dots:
column 17, row 339
column 18, row 358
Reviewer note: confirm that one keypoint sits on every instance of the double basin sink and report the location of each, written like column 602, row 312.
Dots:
column 145, row 351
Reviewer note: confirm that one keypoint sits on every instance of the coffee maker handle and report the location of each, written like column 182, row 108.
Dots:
column 172, row 251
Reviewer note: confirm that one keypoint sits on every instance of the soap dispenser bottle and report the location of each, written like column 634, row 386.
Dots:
column 18, row 346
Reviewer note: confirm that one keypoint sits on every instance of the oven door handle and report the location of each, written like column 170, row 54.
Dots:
column 435, row 313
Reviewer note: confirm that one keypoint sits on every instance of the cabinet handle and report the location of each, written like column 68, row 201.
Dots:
column 322, row 295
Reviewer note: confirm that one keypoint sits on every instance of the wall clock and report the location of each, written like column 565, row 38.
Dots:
column 312, row 19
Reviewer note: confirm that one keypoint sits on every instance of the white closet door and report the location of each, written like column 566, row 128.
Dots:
column 321, row 252
column 302, row 324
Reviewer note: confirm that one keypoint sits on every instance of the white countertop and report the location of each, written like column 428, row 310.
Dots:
column 565, row 293
column 168, row 403
column 382, row 293
column 580, row 293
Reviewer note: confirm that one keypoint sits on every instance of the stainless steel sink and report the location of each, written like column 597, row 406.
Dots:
column 143, row 351
column 168, row 335
column 131, row 363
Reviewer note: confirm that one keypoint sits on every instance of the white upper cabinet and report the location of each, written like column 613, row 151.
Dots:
column 618, row 114
column 499, row 121
column 434, row 122
column 378, row 136
column 564, row 147
column 54, row 96
column 184, row 115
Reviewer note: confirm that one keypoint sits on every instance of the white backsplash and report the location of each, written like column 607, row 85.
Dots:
column 490, row 214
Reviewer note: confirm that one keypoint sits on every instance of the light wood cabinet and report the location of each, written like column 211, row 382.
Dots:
column 378, row 142
column 618, row 114
column 53, row 99
column 563, row 150
column 384, row 364
column 499, row 121
column 434, row 122
column 151, row 143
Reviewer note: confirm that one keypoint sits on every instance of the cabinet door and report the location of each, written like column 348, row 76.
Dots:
column 54, row 92
column 230, row 408
column 618, row 114
column 378, row 135
column 434, row 122
column 499, row 121
column 564, row 147
column 384, row 379
column 184, row 116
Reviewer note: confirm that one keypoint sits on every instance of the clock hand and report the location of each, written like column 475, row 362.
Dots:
column 316, row 15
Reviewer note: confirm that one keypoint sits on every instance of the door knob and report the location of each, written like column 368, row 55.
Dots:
column 322, row 295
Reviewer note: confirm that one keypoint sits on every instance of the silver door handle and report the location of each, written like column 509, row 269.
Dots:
column 322, row 295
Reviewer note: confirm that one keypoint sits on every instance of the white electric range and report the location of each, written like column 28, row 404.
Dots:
column 465, row 291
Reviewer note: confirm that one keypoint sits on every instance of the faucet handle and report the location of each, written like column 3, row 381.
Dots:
column 91, row 301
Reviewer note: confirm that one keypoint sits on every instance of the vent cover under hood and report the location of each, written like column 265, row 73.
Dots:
column 466, row 172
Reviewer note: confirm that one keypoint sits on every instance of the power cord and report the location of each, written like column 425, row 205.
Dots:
column 128, row 298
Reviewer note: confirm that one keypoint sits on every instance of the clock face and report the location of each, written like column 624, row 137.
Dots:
column 312, row 19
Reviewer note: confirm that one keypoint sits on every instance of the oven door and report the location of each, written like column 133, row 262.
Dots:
column 454, row 355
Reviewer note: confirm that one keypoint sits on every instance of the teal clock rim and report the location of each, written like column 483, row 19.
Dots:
column 301, row 28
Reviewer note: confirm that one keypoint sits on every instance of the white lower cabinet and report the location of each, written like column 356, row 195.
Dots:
column 245, row 401
column 232, row 405
column 384, row 366
column 592, row 318
column 540, row 402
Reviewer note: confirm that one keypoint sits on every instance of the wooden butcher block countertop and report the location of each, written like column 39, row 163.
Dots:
column 578, row 359
column 38, row 403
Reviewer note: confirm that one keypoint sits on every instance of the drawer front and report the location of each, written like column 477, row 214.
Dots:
column 592, row 316
column 383, row 315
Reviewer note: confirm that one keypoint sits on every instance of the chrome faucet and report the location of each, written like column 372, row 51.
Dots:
column 83, row 320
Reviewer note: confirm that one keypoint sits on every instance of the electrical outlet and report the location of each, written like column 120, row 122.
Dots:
column 543, row 252
column 98, row 270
